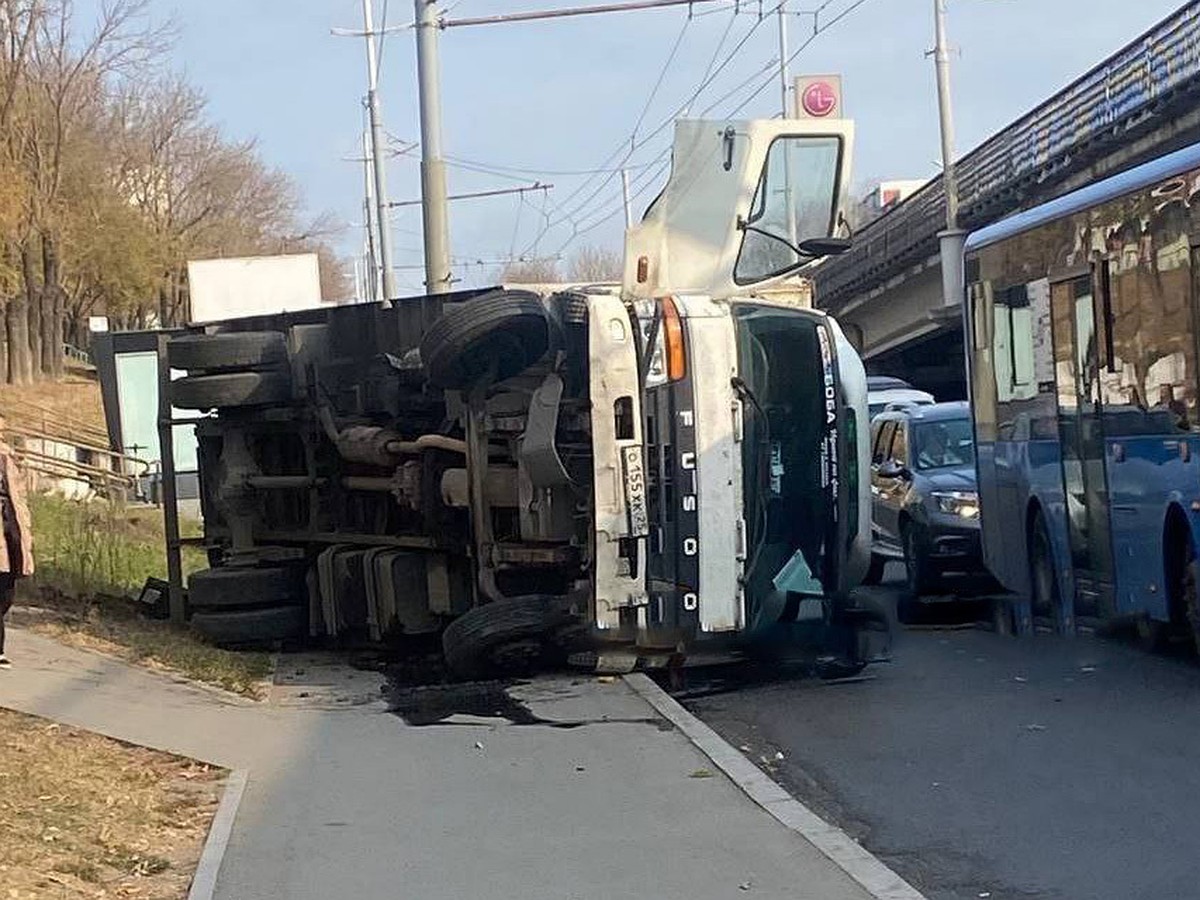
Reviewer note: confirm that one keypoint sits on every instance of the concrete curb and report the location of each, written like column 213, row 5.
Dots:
column 846, row 853
column 204, row 882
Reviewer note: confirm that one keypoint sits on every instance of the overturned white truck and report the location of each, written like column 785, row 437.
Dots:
column 643, row 473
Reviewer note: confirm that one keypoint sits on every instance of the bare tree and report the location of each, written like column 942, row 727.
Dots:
column 596, row 264
column 531, row 271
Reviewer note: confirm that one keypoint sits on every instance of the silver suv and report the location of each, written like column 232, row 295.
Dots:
column 924, row 503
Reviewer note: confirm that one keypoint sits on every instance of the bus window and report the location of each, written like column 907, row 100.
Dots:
column 1149, row 385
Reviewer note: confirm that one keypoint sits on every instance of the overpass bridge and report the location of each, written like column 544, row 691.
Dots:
column 887, row 291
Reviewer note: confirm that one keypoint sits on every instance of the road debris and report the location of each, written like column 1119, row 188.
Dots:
column 701, row 773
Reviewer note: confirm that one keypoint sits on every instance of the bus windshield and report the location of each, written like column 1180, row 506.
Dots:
column 944, row 445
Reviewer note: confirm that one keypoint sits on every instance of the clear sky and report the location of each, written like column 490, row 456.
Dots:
column 555, row 98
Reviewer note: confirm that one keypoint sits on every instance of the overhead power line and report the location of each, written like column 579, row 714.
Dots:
column 818, row 30
column 538, row 14
column 632, row 144
column 475, row 195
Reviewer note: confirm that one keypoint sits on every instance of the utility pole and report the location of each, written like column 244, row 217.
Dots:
column 625, row 197
column 371, row 269
column 377, row 159
column 941, row 56
column 434, row 207
column 784, row 107
column 953, row 238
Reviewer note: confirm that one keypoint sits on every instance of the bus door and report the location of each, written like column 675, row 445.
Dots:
column 1077, row 384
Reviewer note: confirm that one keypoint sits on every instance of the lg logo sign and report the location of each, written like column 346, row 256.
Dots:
column 819, row 99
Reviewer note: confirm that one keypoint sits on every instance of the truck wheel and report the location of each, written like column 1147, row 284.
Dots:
column 228, row 389
column 251, row 626
column 234, row 586
column 505, row 634
column 875, row 570
column 227, row 352
column 504, row 333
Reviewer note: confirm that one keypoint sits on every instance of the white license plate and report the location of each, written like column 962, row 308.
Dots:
column 635, row 491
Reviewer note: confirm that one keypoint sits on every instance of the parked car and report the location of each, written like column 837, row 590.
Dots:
column 925, row 507
column 885, row 390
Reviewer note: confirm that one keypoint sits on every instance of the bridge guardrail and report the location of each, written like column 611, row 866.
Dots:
column 1039, row 147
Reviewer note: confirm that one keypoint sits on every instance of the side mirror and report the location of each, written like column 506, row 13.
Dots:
column 893, row 469
column 830, row 246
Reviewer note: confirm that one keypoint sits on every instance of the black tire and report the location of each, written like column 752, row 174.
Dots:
column 227, row 352
column 502, row 334
column 833, row 669
column 918, row 579
column 231, row 389
column 1191, row 599
column 1003, row 621
column 875, row 570
column 1153, row 636
column 473, row 643
column 251, row 627
column 233, row 586
column 1044, row 596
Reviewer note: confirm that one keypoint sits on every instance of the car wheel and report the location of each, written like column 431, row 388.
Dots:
column 501, row 636
column 227, row 352
column 1043, row 583
column 1153, row 635
column 231, row 389
column 501, row 334
column 918, row 579
column 875, row 570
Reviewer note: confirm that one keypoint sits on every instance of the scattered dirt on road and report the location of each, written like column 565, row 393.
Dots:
column 84, row 816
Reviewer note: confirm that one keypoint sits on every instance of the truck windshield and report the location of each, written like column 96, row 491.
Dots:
column 786, row 452
column 796, row 200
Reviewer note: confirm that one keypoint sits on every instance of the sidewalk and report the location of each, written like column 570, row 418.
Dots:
column 348, row 800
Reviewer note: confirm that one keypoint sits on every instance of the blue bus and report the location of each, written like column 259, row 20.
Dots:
column 1080, row 325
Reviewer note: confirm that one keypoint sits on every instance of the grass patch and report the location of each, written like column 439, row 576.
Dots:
column 87, row 816
column 102, row 548
column 92, row 559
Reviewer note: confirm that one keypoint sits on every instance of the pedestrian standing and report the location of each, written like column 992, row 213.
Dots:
column 16, row 550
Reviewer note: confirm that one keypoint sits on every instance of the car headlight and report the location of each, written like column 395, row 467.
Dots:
column 958, row 503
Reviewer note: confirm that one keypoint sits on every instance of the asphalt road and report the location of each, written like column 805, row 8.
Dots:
column 982, row 766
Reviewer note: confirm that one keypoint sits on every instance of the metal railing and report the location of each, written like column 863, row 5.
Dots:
column 1039, row 150
column 105, row 471
column 55, row 425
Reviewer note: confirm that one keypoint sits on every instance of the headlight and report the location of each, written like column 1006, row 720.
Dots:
column 957, row 503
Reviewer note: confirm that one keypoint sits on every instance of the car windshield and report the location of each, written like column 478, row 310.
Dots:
column 942, row 445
